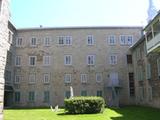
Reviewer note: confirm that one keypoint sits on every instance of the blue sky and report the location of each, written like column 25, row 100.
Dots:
column 60, row 13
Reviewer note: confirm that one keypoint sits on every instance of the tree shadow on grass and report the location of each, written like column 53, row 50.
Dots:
column 137, row 113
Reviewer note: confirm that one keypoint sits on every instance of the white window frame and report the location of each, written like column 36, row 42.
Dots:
column 67, row 78
column 46, row 78
column 122, row 42
column 69, row 57
column 158, row 67
column 68, row 40
column 113, row 59
column 19, row 41
column 90, row 40
column 30, row 61
column 18, row 60
column 111, row 40
column 84, row 78
column 18, row 78
column 92, row 58
column 47, row 41
column 32, row 78
column 129, row 37
column 35, row 42
column 99, row 75
column 46, row 60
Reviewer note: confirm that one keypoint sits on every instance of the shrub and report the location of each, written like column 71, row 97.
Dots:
column 81, row 105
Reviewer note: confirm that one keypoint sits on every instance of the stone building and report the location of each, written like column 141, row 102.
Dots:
column 95, row 61
column 146, row 58
column 4, row 47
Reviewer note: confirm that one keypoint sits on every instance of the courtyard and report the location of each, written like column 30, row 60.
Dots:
column 124, row 113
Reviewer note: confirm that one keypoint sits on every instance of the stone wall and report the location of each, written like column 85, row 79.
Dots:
column 4, row 46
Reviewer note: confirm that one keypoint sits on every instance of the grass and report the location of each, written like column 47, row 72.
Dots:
column 126, row 113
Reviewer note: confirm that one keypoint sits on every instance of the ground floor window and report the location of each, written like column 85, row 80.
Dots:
column 17, row 97
column 46, row 96
column 31, row 97
column 83, row 93
column 99, row 93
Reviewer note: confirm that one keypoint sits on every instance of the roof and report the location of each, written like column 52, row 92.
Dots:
column 138, row 42
column 158, row 15
column 80, row 27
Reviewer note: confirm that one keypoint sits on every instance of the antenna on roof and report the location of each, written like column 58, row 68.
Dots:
column 152, row 12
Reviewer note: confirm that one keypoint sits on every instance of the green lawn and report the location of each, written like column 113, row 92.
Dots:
column 126, row 113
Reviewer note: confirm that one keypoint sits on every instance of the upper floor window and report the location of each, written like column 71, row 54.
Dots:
column 19, row 42
column 126, row 39
column 33, row 42
column 46, row 60
column 18, row 78
column 113, row 59
column 65, row 40
column 46, row 78
column 67, row 78
column 47, row 41
column 91, row 60
column 68, row 59
column 83, row 78
column 90, row 40
column 129, row 59
column 32, row 60
column 32, row 78
column 111, row 40
column 98, row 77
column 18, row 60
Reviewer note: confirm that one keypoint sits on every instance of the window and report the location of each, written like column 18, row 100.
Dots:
column 47, row 41
column 98, row 77
column 68, row 59
column 68, row 40
column 32, row 60
column 150, row 93
column 46, row 78
column 129, row 40
column 67, row 94
column 111, row 40
column 90, row 40
column 113, row 79
column 131, row 84
column 19, row 42
column 129, row 59
column 18, row 60
column 99, row 93
column 10, row 37
column 8, row 77
column 32, row 78
column 122, row 40
column 46, row 60
column 65, row 40
column 33, row 42
column 67, row 78
column 46, row 96
column 83, row 93
column 18, row 78
column 126, row 39
column 148, row 71
column 113, row 59
column 140, row 73
column 158, row 67
column 17, row 96
column 31, row 97
column 90, row 59
column 83, row 78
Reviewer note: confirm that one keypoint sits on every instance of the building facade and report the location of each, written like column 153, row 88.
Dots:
column 4, row 47
column 93, row 60
column 146, row 57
